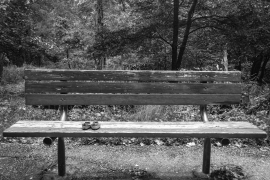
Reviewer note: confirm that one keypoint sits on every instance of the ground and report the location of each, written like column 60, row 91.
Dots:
column 38, row 162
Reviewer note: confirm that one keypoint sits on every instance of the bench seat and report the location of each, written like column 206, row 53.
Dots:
column 135, row 129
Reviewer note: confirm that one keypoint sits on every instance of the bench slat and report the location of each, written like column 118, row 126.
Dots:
column 108, row 75
column 131, row 99
column 135, row 129
column 106, row 87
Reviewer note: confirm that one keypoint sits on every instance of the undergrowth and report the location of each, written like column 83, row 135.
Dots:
column 12, row 74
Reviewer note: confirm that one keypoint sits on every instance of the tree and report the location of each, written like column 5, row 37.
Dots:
column 175, row 33
column 159, row 34
column 99, row 34
column 246, row 29
column 151, row 26
column 16, row 42
column 185, row 38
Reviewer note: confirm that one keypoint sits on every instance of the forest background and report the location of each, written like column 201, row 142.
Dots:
column 220, row 35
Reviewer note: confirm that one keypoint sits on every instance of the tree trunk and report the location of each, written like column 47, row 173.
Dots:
column 1, row 65
column 99, row 37
column 256, row 65
column 68, row 60
column 175, row 33
column 262, row 70
column 238, row 66
column 225, row 59
column 186, row 34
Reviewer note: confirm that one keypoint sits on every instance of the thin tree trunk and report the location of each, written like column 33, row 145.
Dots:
column 186, row 34
column 175, row 33
column 262, row 70
column 99, row 38
column 225, row 59
column 1, row 65
column 68, row 60
column 256, row 65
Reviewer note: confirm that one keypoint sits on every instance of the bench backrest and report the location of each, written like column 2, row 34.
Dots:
column 104, row 87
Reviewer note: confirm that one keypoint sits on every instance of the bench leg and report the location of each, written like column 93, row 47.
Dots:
column 206, row 156
column 61, row 157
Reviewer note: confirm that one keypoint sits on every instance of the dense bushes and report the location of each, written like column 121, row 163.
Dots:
column 12, row 75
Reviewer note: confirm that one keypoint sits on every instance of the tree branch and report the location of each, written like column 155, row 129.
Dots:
column 207, row 26
column 207, row 17
column 163, row 39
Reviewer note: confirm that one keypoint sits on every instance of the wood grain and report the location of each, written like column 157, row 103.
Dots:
column 112, row 87
column 125, row 75
column 135, row 129
column 131, row 99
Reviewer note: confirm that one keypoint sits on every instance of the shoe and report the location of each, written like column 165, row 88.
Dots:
column 95, row 125
column 86, row 126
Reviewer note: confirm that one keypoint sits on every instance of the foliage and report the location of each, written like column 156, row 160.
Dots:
column 228, row 172
column 136, row 34
column 12, row 75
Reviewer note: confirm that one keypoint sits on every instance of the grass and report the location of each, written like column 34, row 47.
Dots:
column 165, row 113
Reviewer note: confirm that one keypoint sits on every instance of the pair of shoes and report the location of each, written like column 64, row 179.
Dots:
column 87, row 125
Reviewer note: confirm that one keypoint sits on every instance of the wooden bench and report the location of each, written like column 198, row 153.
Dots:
column 83, row 87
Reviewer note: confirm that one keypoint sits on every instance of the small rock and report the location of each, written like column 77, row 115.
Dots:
column 218, row 144
column 98, row 114
column 191, row 144
column 159, row 142
column 200, row 175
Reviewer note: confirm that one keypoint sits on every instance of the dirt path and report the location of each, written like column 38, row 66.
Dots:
column 24, row 161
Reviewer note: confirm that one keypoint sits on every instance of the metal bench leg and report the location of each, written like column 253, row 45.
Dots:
column 61, row 146
column 207, row 144
column 206, row 156
column 61, row 157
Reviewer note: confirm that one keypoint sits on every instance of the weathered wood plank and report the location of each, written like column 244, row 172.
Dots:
column 135, row 129
column 131, row 99
column 117, row 87
column 124, row 75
